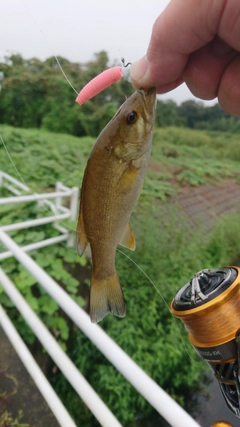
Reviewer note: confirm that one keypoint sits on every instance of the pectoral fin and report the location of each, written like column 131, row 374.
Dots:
column 82, row 240
column 127, row 239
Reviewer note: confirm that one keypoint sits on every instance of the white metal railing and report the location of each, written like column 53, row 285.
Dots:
column 81, row 386
column 53, row 204
column 17, row 186
column 33, row 197
column 32, row 367
column 37, row 245
column 60, row 212
column 153, row 393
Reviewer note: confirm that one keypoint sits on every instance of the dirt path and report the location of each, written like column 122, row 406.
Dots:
column 18, row 390
column 205, row 204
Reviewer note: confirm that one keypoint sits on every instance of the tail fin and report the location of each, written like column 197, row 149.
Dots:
column 106, row 296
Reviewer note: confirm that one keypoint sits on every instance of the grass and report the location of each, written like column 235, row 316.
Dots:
column 179, row 157
column 196, row 157
column 167, row 250
column 42, row 158
column 6, row 420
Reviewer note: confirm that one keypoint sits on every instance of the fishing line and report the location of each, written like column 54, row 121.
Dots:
column 24, row 182
column 4, row 145
column 119, row 250
column 67, row 226
column 50, row 47
column 200, row 361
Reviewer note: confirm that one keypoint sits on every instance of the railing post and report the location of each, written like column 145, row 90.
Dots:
column 73, row 215
column 74, row 203
column 58, row 200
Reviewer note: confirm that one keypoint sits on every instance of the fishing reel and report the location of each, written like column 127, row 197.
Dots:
column 209, row 307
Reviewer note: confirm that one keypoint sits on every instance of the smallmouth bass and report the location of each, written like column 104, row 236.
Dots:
column 111, row 185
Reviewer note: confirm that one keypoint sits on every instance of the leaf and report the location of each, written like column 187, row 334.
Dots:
column 70, row 256
column 44, row 260
column 32, row 301
column 79, row 300
column 71, row 289
column 47, row 304
column 82, row 260
column 73, row 282
column 61, row 324
column 24, row 280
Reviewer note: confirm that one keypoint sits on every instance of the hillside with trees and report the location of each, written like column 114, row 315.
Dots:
column 35, row 94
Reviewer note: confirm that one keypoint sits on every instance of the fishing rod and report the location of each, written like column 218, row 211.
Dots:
column 209, row 307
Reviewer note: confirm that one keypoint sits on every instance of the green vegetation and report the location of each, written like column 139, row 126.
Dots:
column 148, row 333
column 179, row 156
column 195, row 157
column 50, row 157
column 167, row 251
column 7, row 421
column 195, row 115
column 35, row 95
column 58, row 260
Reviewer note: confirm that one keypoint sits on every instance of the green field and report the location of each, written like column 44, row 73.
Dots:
column 180, row 157
column 167, row 250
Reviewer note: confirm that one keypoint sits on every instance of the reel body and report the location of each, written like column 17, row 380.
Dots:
column 209, row 307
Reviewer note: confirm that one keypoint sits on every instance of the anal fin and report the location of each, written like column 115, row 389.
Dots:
column 128, row 239
column 82, row 240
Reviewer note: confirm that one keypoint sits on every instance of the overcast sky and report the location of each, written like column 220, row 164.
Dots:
column 76, row 29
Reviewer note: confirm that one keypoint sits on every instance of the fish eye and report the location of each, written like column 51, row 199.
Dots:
column 131, row 117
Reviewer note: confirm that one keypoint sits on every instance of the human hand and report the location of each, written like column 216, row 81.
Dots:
column 197, row 42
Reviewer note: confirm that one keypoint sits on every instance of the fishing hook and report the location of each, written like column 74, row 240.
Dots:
column 125, row 65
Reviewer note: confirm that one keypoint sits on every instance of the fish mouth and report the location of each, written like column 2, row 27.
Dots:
column 149, row 97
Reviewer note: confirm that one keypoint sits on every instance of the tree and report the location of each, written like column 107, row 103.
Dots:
column 36, row 94
column 167, row 114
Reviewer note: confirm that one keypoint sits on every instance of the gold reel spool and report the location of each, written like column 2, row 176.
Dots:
column 209, row 307
column 221, row 424
column 210, row 311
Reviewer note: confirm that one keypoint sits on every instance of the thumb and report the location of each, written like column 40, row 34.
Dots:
column 182, row 28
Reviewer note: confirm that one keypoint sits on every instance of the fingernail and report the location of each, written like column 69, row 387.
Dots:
column 138, row 70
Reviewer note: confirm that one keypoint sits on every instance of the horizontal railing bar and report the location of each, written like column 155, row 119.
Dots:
column 14, row 181
column 35, row 372
column 34, row 197
column 76, row 379
column 62, row 187
column 37, row 245
column 154, row 394
column 35, row 222
column 12, row 189
column 63, row 208
column 61, row 229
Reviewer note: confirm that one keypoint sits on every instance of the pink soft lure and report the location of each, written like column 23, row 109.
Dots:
column 99, row 83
